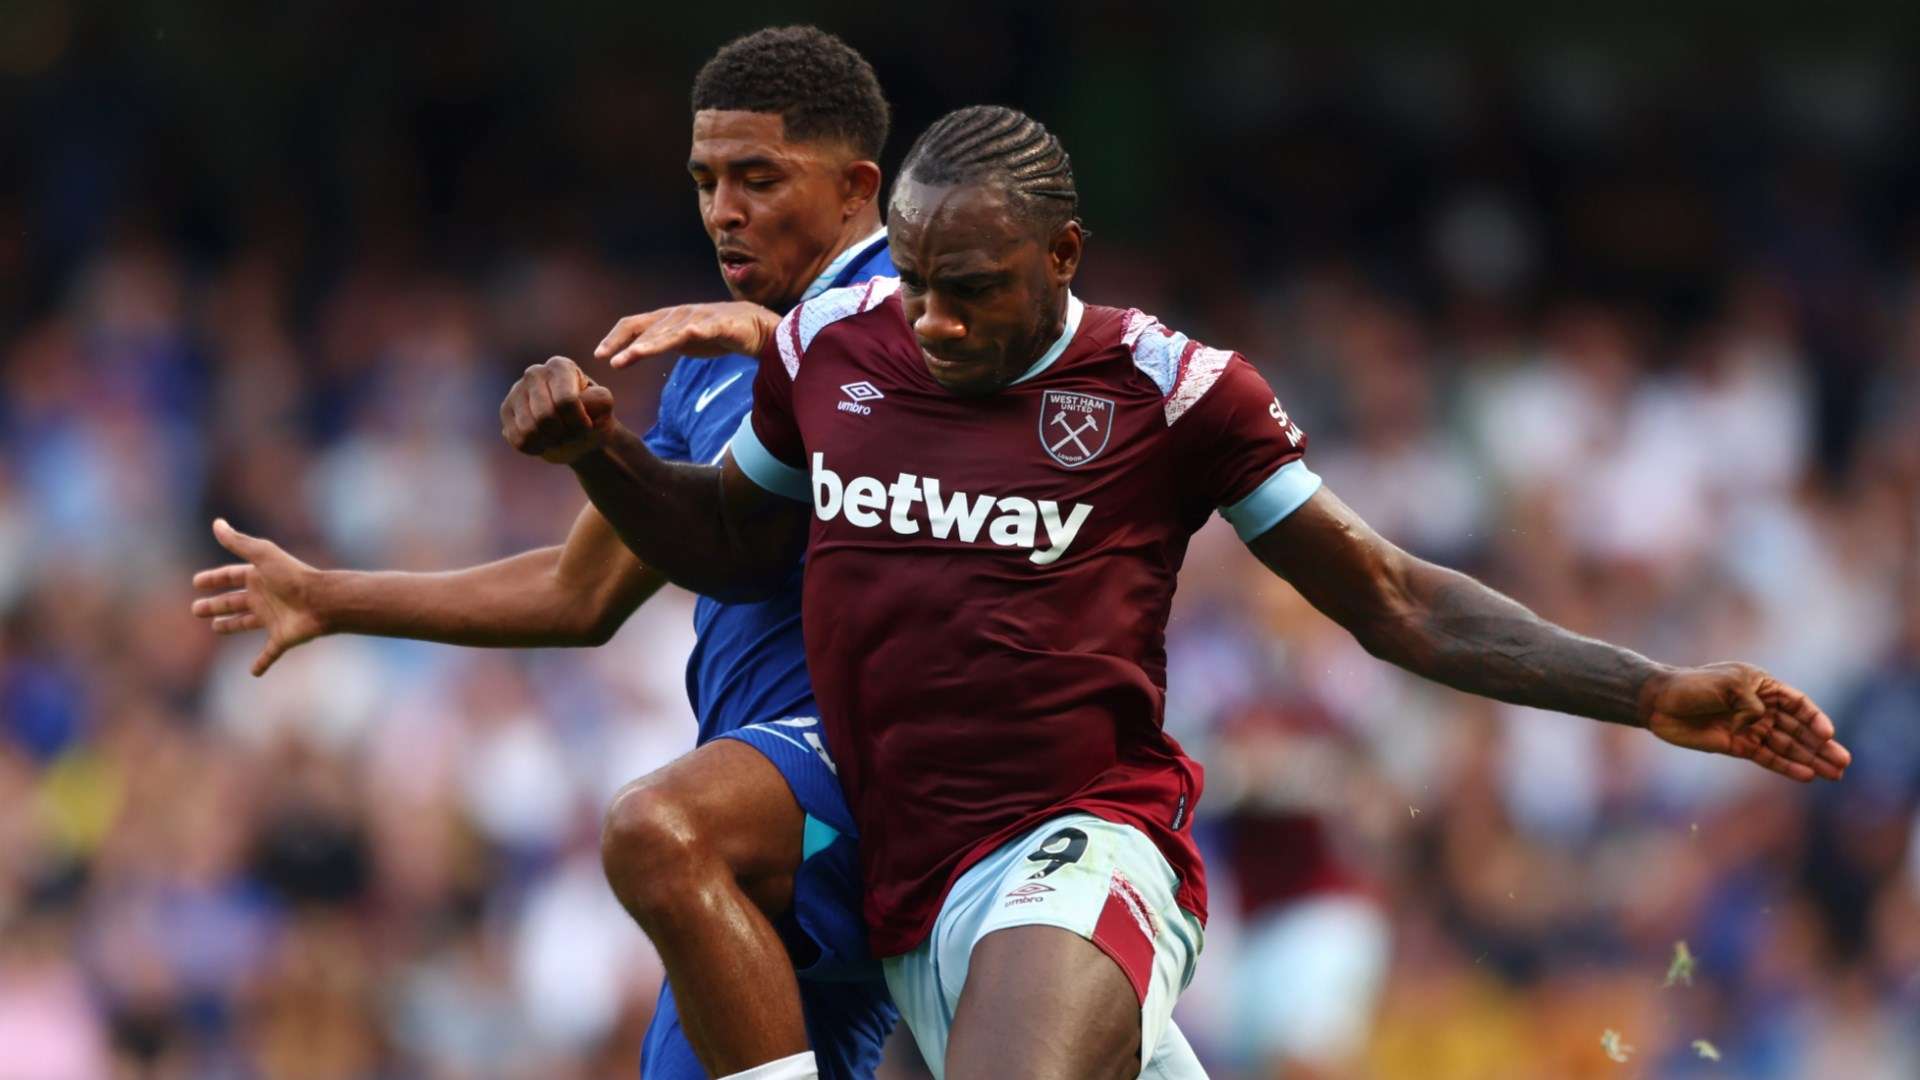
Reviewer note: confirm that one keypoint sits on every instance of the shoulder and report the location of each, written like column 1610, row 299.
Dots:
column 803, row 325
column 1184, row 370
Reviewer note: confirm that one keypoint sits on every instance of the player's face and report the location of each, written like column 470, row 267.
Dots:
column 984, row 292
column 773, row 208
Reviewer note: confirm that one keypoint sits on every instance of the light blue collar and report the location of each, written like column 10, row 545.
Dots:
column 1074, row 310
column 840, row 262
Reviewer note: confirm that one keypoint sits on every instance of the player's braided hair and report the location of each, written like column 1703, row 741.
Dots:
column 993, row 142
column 821, row 87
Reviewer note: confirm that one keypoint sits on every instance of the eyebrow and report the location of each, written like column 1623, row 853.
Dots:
column 759, row 161
column 969, row 269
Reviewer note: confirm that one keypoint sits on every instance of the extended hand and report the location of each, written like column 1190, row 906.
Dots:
column 556, row 413
column 1741, row 711
column 271, row 591
column 689, row 330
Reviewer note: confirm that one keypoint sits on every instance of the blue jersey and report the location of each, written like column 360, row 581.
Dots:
column 748, row 663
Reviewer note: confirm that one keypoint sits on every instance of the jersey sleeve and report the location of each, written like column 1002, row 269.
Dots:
column 768, row 447
column 1240, row 444
column 667, row 438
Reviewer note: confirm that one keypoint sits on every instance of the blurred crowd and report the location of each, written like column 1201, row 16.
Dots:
column 1640, row 346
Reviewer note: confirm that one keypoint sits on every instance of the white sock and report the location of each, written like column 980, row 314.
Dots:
column 797, row 1067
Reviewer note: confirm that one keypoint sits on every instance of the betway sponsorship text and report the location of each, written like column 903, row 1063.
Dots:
column 912, row 502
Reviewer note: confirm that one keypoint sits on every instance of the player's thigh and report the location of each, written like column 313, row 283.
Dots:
column 1043, row 1002
column 1105, row 887
column 727, row 799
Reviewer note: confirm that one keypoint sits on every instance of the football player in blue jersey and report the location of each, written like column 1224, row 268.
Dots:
column 741, row 855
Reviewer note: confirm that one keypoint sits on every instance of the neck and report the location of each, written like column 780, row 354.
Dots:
column 858, row 228
column 1051, row 327
column 853, row 232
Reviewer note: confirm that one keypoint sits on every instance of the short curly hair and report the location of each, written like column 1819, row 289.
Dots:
column 821, row 87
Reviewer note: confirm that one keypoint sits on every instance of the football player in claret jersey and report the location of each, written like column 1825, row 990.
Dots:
column 787, row 123
column 995, row 484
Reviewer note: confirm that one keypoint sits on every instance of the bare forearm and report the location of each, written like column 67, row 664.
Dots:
column 675, row 518
column 515, row 602
column 1457, row 631
column 577, row 593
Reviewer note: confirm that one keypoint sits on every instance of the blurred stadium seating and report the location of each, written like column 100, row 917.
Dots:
column 1630, row 329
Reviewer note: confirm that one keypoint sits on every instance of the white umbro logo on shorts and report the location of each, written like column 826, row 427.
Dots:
column 859, row 394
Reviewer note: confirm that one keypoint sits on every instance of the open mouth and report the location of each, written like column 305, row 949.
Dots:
column 735, row 264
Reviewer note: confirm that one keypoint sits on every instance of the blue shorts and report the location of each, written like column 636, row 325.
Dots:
column 825, row 932
column 847, row 1025
column 848, row 1011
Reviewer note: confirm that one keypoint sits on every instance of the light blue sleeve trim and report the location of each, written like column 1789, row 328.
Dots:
column 766, row 470
column 1287, row 490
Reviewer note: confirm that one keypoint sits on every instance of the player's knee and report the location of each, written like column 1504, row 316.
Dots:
column 649, row 842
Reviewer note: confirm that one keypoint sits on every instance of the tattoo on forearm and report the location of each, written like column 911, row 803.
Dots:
column 1472, row 638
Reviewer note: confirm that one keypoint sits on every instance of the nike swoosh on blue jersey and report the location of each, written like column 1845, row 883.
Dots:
column 706, row 396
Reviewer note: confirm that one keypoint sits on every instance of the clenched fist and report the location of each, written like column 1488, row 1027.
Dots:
column 556, row 413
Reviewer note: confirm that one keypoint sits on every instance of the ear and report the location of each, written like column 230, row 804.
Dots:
column 859, row 186
column 1064, row 250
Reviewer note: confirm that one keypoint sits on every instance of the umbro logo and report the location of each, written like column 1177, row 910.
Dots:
column 858, row 394
column 1031, row 893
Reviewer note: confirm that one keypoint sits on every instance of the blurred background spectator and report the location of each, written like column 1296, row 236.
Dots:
column 1628, row 327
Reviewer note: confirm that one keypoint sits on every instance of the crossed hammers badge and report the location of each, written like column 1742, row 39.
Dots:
column 1074, row 428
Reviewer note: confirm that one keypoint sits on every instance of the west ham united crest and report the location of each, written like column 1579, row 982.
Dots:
column 1074, row 427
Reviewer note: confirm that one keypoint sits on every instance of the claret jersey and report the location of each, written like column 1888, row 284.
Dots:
column 988, row 579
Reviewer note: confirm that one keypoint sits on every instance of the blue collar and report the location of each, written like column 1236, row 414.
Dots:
column 841, row 270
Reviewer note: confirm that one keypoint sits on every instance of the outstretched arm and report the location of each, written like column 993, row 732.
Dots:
column 1450, row 628
column 575, row 593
